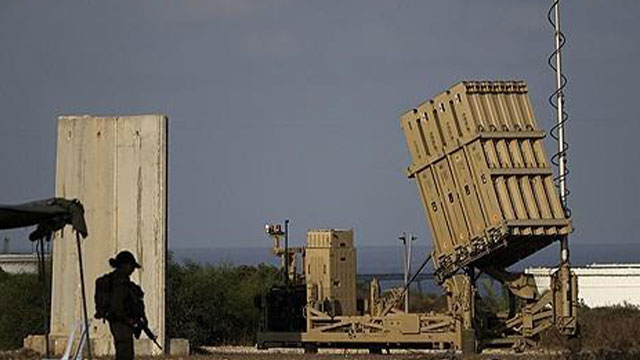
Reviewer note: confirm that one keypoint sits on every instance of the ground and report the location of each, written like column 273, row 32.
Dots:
column 249, row 353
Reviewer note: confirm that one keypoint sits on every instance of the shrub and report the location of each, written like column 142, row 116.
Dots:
column 21, row 312
column 608, row 329
column 212, row 305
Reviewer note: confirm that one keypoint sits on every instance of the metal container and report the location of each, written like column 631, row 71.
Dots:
column 483, row 175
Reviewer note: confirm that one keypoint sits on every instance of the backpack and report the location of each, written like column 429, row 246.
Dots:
column 104, row 286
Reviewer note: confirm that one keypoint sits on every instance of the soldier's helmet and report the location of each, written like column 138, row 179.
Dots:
column 124, row 257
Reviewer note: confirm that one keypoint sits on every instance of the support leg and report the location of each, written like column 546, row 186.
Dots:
column 84, row 295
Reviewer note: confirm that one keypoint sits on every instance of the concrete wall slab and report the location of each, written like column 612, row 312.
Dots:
column 117, row 167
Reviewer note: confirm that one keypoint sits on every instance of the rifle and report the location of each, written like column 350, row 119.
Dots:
column 142, row 324
column 140, row 319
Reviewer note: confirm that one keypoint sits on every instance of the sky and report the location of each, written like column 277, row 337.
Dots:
column 290, row 109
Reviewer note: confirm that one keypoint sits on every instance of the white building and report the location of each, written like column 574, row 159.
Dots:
column 599, row 284
column 20, row 263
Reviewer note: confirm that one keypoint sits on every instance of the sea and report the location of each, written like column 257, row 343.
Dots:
column 389, row 259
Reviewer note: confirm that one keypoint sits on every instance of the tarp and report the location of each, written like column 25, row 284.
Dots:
column 49, row 215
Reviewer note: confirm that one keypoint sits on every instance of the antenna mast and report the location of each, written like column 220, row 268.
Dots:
column 562, row 149
column 557, row 101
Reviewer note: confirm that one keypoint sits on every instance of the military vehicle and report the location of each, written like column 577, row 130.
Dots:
column 486, row 184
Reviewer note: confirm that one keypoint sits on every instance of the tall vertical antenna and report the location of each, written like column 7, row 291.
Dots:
column 567, row 291
column 558, row 131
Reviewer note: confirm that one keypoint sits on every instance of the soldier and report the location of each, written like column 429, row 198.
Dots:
column 119, row 301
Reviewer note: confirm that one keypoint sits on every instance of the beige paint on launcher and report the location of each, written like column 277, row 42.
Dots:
column 117, row 167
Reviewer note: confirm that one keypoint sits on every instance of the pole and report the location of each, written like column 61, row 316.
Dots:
column 404, row 237
column 564, row 271
column 409, row 258
column 45, row 293
column 286, row 251
column 407, row 251
column 84, row 296
column 562, row 158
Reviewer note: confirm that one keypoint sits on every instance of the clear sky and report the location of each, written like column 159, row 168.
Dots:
column 290, row 108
